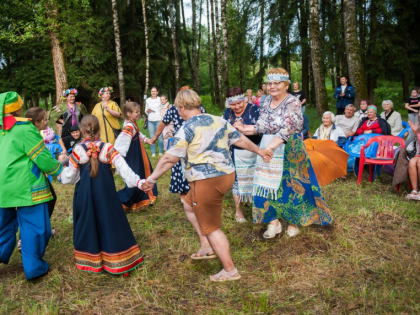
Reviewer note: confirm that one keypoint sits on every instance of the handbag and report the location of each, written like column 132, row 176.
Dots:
column 146, row 123
column 115, row 131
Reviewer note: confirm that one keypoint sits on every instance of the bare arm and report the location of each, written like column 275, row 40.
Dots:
column 159, row 130
column 303, row 102
column 245, row 129
column 164, row 164
column 244, row 143
column 407, row 106
column 63, row 147
column 114, row 113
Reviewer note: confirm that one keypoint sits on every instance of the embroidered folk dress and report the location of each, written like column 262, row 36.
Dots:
column 130, row 145
column 102, row 237
column 286, row 187
column 245, row 161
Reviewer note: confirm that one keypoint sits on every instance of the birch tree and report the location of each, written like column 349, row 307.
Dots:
column 146, row 38
column 118, row 51
column 174, row 44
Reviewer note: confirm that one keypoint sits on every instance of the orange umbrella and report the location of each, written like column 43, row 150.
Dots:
column 328, row 160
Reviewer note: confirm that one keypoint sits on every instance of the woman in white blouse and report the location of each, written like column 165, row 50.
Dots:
column 392, row 117
column 153, row 109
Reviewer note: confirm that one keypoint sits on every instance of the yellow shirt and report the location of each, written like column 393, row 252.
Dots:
column 107, row 123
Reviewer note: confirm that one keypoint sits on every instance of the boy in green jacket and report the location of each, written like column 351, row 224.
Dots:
column 24, row 190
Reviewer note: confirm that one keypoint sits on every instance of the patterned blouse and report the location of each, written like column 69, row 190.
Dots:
column 285, row 120
column 204, row 141
column 172, row 115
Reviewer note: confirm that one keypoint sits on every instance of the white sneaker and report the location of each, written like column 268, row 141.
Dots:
column 153, row 155
column 240, row 220
column 272, row 231
column 292, row 231
column 19, row 245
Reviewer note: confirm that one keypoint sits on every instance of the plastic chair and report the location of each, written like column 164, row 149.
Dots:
column 405, row 130
column 384, row 153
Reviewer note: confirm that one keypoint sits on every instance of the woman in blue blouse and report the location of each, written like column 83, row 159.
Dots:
column 245, row 161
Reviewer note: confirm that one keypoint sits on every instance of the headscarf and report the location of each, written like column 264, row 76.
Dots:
column 373, row 107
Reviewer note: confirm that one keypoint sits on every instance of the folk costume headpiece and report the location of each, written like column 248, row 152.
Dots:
column 70, row 91
column 235, row 98
column 9, row 102
column 105, row 89
column 277, row 77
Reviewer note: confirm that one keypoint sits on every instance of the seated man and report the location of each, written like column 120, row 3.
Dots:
column 347, row 122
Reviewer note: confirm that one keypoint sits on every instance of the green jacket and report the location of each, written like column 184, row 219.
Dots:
column 23, row 161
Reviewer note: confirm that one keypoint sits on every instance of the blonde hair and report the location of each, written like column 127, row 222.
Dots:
column 187, row 99
column 129, row 107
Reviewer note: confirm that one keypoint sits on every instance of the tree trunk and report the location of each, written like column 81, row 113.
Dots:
column 303, row 32
column 215, row 55
column 146, row 38
column 354, row 61
column 174, row 43
column 118, row 51
column 225, row 48
column 321, row 101
column 187, row 44
column 261, row 72
column 213, row 97
column 219, row 53
column 197, row 62
column 60, row 72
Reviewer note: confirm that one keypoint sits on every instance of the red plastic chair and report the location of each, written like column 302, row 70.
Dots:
column 384, row 154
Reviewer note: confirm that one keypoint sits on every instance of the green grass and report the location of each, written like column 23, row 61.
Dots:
column 366, row 263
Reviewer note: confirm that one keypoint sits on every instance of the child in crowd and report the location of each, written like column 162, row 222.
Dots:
column 103, row 240
column 130, row 145
column 25, row 192
column 168, row 131
column 39, row 118
column 71, row 140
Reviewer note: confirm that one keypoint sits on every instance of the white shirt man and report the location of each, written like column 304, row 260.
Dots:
column 347, row 122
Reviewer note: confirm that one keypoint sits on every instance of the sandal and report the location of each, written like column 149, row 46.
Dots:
column 413, row 195
column 197, row 256
column 240, row 219
column 226, row 276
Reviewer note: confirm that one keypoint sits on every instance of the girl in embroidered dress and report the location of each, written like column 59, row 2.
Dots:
column 130, row 145
column 103, row 240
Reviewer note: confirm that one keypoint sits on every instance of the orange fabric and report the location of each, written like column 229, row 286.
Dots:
column 328, row 160
column 206, row 198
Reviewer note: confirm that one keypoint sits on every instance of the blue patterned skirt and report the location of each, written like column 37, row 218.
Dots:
column 299, row 197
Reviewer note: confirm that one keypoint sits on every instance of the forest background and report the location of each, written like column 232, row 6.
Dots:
column 47, row 46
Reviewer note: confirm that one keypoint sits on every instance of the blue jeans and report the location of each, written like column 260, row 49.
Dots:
column 35, row 231
column 152, row 126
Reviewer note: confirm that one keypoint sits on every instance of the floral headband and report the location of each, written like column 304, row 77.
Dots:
column 70, row 91
column 105, row 89
column 277, row 77
column 235, row 98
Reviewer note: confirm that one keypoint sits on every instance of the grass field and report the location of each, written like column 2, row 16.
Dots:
column 367, row 262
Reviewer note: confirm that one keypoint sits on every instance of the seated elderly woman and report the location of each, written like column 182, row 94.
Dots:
column 373, row 124
column 203, row 142
column 329, row 131
column 392, row 117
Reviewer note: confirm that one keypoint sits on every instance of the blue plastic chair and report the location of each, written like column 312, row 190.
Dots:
column 405, row 130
